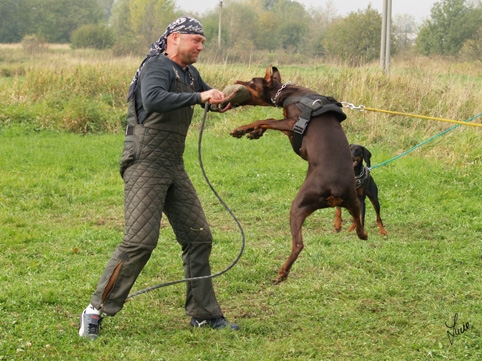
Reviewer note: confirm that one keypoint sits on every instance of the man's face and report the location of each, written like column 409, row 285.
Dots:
column 189, row 47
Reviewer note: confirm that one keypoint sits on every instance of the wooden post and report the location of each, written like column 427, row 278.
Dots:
column 220, row 18
column 386, row 36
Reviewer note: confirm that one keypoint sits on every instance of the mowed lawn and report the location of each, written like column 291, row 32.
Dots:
column 412, row 295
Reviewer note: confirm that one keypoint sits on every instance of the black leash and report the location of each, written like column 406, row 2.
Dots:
column 152, row 288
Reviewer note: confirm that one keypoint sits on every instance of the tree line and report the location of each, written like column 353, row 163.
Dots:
column 130, row 26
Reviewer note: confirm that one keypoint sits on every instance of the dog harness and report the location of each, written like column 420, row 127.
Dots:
column 311, row 105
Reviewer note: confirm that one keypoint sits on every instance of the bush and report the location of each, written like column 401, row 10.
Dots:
column 92, row 36
column 472, row 48
column 34, row 44
column 129, row 45
column 356, row 38
column 82, row 115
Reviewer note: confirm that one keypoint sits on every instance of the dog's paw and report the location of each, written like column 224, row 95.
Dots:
column 281, row 278
column 237, row 133
column 256, row 133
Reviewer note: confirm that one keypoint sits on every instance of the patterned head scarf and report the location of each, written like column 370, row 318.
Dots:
column 183, row 25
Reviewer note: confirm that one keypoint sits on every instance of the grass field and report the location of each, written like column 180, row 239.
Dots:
column 388, row 298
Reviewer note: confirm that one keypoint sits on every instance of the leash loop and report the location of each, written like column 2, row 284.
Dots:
column 317, row 101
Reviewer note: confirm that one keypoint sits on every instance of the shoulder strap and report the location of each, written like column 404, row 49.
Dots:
column 308, row 104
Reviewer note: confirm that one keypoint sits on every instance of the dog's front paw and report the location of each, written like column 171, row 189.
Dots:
column 256, row 133
column 238, row 132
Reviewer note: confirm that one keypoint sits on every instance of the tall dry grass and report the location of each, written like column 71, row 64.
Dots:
column 84, row 90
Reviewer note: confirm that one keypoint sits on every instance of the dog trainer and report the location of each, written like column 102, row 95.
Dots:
column 161, row 99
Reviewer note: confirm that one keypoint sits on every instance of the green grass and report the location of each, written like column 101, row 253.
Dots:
column 384, row 299
column 389, row 298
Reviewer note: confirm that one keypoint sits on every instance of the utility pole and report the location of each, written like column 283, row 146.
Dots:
column 220, row 18
column 386, row 36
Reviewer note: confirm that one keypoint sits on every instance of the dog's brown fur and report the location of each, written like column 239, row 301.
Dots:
column 366, row 188
column 330, row 179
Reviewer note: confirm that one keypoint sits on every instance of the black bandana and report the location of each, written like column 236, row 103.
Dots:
column 183, row 25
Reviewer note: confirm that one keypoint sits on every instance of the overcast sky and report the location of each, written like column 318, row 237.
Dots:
column 419, row 9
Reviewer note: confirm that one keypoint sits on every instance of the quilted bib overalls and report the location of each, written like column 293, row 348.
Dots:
column 156, row 182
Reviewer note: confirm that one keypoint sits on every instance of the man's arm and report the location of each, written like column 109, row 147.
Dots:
column 155, row 82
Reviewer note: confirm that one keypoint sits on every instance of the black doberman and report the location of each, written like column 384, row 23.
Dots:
column 365, row 187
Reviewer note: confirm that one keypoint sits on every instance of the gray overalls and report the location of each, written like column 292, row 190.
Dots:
column 155, row 182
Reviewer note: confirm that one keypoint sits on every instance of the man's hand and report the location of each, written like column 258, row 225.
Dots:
column 216, row 97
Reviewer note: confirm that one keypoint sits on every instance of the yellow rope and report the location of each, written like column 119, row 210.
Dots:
column 363, row 108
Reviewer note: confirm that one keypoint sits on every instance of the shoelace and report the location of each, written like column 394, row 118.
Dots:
column 93, row 328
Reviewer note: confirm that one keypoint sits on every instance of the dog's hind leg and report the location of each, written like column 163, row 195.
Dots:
column 300, row 209
column 361, row 201
column 376, row 205
column 338, row 219
column 297, row 245
column 355, row 211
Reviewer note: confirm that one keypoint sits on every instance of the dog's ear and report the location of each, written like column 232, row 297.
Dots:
column 267, row 76
column 272, row 75
column 367, row 156
column 276, row 76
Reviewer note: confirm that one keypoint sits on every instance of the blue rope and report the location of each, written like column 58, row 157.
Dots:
column 424, row 142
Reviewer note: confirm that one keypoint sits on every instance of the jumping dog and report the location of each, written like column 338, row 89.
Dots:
column 312, row 124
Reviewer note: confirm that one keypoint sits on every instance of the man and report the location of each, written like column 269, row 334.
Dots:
column 161, row 100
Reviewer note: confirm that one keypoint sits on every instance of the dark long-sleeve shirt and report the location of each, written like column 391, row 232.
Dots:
column 157, row 80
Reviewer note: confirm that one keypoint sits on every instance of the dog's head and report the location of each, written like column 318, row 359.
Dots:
column 262, row 89
column 360, row 154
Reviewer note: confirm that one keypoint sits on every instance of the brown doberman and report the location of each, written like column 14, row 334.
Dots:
column 365, row 187
column 330, row 180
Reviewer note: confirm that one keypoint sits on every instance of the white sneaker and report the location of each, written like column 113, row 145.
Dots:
column 90, row 323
